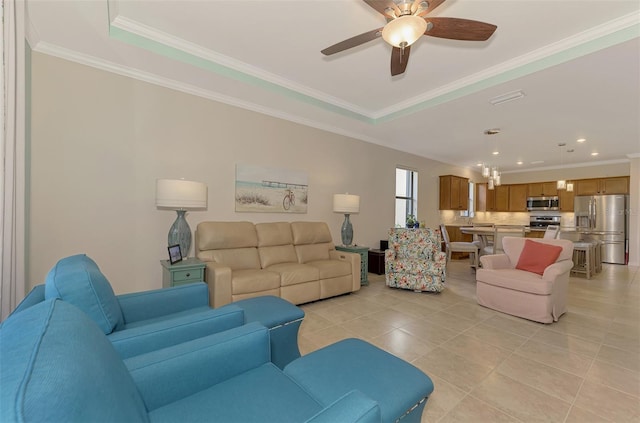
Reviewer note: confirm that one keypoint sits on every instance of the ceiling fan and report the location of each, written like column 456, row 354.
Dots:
column 406, row 22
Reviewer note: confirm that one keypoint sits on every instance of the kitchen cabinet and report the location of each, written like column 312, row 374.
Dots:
column 565, row 200
column 500, row 198
column 543, row 189
column 612, row 185
column 481, row 197
column 454, row 193
column 492, row 199
column 518, row 194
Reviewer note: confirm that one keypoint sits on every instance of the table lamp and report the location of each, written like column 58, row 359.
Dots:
column 180, row 195
column 347, row 204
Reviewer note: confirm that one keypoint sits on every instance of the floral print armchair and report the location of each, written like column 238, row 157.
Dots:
column 414, row 259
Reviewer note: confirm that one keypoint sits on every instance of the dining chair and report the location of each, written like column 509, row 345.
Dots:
column 551, row 232
column 501, row 231
column 460, row 247
column 481, row 240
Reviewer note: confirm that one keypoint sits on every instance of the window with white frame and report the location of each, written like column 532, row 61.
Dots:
column 406, row 195
column 470, row 212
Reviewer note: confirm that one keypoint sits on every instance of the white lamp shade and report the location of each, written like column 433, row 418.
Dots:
column 346, row 203
column 570, row 186
column 404, row 31
column 561, row 184
column 181, row 194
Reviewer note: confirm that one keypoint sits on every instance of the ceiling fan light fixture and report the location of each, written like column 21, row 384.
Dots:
column 404, row 31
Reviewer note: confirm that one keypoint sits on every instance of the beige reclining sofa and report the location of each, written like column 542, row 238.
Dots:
column 296, row 261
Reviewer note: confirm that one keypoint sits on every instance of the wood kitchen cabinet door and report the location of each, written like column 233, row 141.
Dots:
column 612, row 185
column 543, row 189
column 518, row 194
column 565, row 199
column 454, row 193
column 501, row 198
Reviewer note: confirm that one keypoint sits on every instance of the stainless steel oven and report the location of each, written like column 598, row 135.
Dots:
column 541, row 222
column 543, row 203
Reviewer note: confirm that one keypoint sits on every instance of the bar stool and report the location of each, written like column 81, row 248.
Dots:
column 598, row 256
column 583, row 258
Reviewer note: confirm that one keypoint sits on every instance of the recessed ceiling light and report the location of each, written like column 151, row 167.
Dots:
column 519, row 162
column 581, row 140
column 495, row 153
column 594, row 154
column 513, row 95
column 479, row 164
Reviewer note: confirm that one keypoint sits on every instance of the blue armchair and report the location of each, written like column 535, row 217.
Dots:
column 146, row 321
column 57, row 365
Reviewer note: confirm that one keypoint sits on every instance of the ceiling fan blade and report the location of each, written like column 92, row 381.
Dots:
column 459, row 29
column 382, row 5
column 432, row 5
column 399, row 60
column 352, row 42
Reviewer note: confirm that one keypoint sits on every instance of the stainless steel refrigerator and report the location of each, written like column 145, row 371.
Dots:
column 604, row 218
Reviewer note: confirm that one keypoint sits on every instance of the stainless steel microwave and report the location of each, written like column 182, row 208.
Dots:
column 543, row 203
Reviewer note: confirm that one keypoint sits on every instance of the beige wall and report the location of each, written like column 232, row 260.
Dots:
column 100, row 141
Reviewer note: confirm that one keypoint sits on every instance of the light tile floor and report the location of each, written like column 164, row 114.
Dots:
column 491, row 367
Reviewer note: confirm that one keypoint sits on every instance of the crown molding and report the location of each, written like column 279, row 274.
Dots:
column 225, row 64
column 610, row 33
column 94, row 62
column 593, row 39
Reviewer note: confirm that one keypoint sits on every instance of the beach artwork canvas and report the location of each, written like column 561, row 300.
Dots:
column 270, row 190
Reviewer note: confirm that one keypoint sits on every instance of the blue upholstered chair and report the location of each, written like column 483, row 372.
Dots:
column 56, row 364
column 146, row 321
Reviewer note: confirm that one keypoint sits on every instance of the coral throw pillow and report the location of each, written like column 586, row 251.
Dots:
column 537, row 256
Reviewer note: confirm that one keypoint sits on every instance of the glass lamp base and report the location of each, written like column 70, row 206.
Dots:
column 346, row 231
column 180, row 233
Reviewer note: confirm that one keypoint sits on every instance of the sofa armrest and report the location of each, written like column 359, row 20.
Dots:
column 352, row 258
column 558, row 268
column 496, row 261
column 147, row 305
column 173, row 373
column 174, row 330
column 354, row 406
column 219, row 281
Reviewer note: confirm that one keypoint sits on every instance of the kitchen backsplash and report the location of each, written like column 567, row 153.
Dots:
column 451, row 217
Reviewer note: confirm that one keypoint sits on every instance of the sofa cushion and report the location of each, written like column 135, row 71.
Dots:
column 253, row 396
column 235, row 258
column 331, row 268
column 274, row 233
column 225, row 235
column 536, row 256
column 513, row 247
column 310, row 233
column 295, row 273
column 276, row 255
column 250, row 281
column 45, row 378
column 313, row 252
column 514, row 279
column 78, row 281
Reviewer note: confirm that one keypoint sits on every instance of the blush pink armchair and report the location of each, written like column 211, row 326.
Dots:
column 501, row 286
